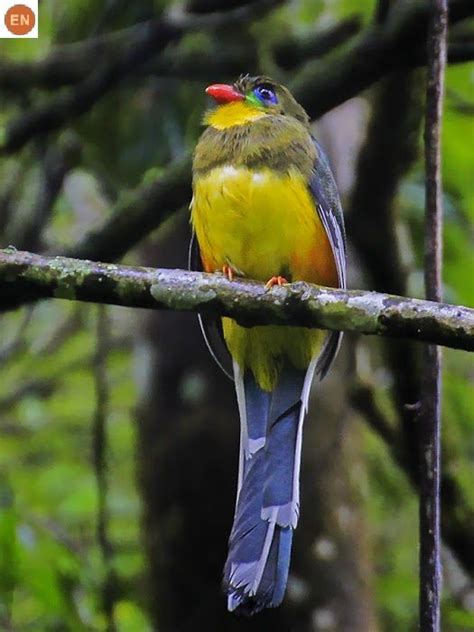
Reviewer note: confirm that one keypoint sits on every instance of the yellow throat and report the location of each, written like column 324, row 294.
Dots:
column 231, row 114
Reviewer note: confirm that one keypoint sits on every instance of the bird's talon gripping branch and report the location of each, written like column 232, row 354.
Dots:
column 276, row 280
column 228, row 272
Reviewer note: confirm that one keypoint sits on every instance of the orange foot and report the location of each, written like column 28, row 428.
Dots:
column 228, row 272
column 275, row 280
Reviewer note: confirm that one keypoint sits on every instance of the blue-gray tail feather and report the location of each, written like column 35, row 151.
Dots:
column 256, row 570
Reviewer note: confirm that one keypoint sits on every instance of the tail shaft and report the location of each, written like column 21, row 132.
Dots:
column 267, row 508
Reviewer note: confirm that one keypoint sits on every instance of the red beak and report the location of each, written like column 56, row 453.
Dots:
column 224, row 93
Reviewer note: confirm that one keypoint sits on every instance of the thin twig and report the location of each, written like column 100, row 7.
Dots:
column 430, row 414
column 40, row 388
column 12, row 183
column 99, row 441
column 457, row 531
column 362, row 397
column 18, row 343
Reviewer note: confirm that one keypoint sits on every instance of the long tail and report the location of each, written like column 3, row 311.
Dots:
column 267, row 510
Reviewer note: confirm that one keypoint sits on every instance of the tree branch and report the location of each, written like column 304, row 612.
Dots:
column 100, row 466
column 226, row 60
column 295, row 50
column 137, row 214
column 398, row 43
column 133, row 219
column 319, row 86
column 56, row 162
column 430, row 412
column 23, row 274
column 458, row 513
column 74, row 102
column 389, row 153
column 69, row 64
column 154, row 36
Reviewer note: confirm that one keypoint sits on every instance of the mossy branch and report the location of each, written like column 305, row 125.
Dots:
column 24, row 275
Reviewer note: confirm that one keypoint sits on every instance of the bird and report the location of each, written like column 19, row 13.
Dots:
column 265, row 206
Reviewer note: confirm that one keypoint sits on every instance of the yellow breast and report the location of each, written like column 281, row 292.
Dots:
column 263, row 224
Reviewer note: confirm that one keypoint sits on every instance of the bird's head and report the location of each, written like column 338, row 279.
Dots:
column 250, row 99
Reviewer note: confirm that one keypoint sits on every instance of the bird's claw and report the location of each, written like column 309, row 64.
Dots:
column 228, row 272
column 276, row 280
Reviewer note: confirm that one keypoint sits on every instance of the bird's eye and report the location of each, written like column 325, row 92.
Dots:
column 265, row 94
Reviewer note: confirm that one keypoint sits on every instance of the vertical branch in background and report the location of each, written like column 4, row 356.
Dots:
column 430, row 413
column 99, row 456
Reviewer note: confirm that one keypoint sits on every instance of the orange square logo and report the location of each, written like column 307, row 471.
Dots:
column 19, row 19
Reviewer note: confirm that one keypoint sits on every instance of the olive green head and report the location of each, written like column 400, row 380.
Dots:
column 261, row 93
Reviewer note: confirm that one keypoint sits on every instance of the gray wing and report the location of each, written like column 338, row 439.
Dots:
column 211, row 326
column 326, row 198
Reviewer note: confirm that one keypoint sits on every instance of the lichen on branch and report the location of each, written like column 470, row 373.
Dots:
column 26, row 277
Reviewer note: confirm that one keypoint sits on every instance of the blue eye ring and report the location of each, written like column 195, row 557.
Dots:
column 265, row 94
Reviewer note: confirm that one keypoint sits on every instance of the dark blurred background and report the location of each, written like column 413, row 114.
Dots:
column 119, row 435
